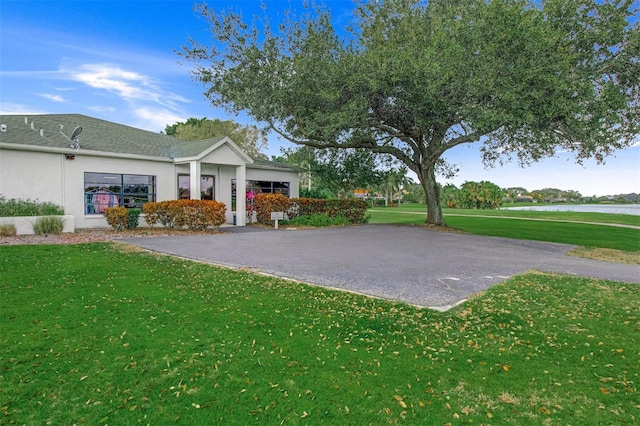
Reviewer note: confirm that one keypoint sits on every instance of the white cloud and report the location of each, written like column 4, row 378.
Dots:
column 102, row 109
column 135, row 88
column 126, row 84
column 156, row 120
column 31, row 74
column 8, row 108
column 55, row 98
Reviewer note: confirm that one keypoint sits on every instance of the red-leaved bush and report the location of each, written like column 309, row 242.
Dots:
column 264, row 204
column 194, row 214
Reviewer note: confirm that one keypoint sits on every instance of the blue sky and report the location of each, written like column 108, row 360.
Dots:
column 116, row 60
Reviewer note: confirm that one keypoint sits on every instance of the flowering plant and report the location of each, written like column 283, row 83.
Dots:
column 250, row 205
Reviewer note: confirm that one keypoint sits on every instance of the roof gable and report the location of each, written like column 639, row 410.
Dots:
column 215, row 150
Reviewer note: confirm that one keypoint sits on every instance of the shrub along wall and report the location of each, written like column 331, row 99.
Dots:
column 264, row 204
column 194, row 214
column 25, row 217
column 354, row 210
column 16, row 207
column 120, row 217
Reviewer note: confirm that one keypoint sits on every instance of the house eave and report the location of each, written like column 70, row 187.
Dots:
column 280, row 169
column 80, row 152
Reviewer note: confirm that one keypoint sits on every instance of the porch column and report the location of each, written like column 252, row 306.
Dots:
column 194, row 180
column 241, row 196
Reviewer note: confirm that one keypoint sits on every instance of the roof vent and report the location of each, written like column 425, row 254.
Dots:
column 41, row 133
column 32, row 126
column 3, row 128
column 26, row 120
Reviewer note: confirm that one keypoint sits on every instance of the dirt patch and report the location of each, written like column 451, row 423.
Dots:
column 440, row 228
column 99, row 235
column 608, row 255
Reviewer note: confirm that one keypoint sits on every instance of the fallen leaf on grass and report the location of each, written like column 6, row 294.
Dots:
column 400, row 401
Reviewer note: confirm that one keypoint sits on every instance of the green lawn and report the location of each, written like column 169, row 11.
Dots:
column 550, row 226
column 420, row 211
column 95, row 334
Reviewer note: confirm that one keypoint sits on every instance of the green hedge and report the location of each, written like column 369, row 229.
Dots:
column 353, row 210
column 15, row 207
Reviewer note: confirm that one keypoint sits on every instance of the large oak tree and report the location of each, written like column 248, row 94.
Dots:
column 414, row 79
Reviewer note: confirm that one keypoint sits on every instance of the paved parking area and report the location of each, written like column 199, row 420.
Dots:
column 410, row 264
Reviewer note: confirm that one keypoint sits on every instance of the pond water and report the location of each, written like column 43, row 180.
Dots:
column 633, row 209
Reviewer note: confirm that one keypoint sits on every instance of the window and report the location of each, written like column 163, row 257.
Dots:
column 207, row 191
column 259, row 187
column 268, row 187
column 103, row 190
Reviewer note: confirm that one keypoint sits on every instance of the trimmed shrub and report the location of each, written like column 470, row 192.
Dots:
column 266, row 203
column 133, row 218
column 354, row 210
column 194, row 214
column 317, row 220
column 17, row 207
column 117, row 217
column 48, row 225
column 8, row 230
column 156, row 213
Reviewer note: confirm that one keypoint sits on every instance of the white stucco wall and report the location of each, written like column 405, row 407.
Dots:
column 32, row 175
column 51, row 177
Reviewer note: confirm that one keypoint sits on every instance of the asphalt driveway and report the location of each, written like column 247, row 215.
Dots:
column 411, row 264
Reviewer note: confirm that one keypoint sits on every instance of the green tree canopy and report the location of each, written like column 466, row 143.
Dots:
column 334, row 172
column 480, row 195
column 413, row 79
column 248, row 137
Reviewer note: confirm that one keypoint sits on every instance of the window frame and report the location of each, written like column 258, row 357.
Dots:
column 203, row 195
column 103, row 190
column 260, row 187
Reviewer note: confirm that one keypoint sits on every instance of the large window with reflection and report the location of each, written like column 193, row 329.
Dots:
column 104, row 190
column 207, row 191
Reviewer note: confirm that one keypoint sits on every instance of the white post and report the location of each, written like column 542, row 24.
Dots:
column 241, row 195
column 194, row 180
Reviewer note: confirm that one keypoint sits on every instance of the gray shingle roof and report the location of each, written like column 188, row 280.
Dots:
column 97, row 135
column 268, row 164
column 106, row 136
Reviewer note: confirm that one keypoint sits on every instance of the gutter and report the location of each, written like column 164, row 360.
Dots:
column 87, row 152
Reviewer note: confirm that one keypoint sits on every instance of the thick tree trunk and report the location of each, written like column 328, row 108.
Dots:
column 432, row 192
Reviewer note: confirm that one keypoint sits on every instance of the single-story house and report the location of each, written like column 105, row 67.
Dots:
column 85, row 165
